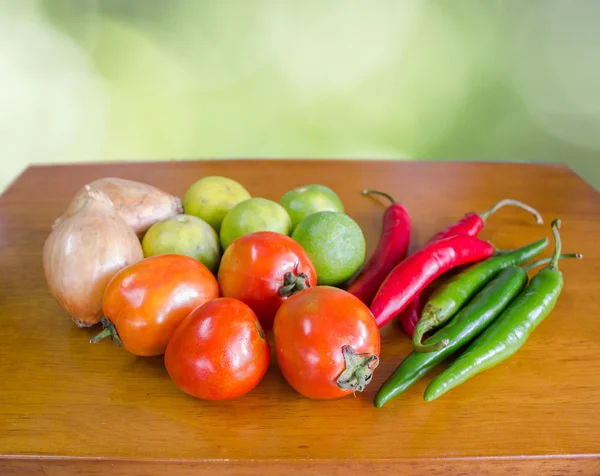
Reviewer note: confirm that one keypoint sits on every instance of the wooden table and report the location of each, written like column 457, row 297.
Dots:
column 68, row 407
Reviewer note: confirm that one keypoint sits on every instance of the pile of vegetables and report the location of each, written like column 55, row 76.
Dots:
column 221, row 280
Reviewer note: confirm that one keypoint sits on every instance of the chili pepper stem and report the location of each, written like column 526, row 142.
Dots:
column 359, row 370
column 557, row 244
column 542, row 261
column 109, row 331
column 428, row 321
column 432, row 347
column 509, row 201
column 368, row 191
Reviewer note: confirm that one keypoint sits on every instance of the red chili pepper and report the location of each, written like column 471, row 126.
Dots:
column 412, row 275
column 410, row 315
column 470, row 225
column 391, row 249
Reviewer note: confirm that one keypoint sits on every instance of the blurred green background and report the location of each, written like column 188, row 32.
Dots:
column 90, row 80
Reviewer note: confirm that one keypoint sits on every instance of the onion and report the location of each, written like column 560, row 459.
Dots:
column 84, row 251
column 139, row 204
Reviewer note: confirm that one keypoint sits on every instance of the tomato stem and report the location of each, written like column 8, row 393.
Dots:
column 293, row 283
column 359, row 370
column 109, row 331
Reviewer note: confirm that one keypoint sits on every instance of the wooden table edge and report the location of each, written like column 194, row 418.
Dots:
column 482, row 465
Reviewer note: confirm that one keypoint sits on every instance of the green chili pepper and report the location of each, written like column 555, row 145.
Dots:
column 452, row 295
column 468, row 323
column 507, row 334
column 463, row 328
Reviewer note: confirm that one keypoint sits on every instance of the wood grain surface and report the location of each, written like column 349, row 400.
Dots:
column 70, row 407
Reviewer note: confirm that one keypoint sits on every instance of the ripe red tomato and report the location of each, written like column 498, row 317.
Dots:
column 146, row 301
column 219, row 351
column 326, row 342
column 263, row 269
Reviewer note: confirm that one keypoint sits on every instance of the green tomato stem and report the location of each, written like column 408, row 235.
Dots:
column 109, row 331
column 359, row 370
column 294, row 283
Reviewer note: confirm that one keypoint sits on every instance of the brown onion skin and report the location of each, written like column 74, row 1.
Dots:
column 84, row 251
column 139, row 204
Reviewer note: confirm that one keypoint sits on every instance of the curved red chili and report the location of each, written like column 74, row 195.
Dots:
column 472, row 223
column 413, row 274
column 391, row 249
column 410, row 315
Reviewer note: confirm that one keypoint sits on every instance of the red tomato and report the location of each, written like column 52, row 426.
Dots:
column 326, row 342
column 219, row 351
column 256, row 267
column 147, row 300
